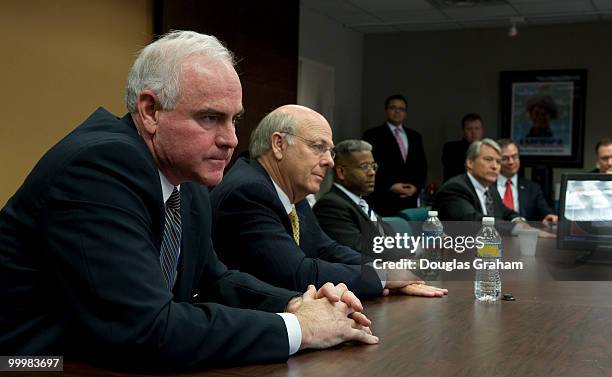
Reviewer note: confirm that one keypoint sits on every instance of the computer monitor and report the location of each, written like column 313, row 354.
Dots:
column 585, row 216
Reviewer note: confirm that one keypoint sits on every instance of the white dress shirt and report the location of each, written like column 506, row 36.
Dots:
column 480, row 192
column 294, row 331
column 501, row 188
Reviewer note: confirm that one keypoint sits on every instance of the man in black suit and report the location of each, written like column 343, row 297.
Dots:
column 105, row 250
column 471, row 196
column 520, row 194
column 603, row 152
column 400, row 155
column 342, row 212
column 263, row 225
column 453, row 152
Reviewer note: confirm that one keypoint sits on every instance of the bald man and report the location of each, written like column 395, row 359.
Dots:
column 264, row 226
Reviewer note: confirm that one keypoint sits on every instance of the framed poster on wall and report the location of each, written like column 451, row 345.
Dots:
column 543, row 113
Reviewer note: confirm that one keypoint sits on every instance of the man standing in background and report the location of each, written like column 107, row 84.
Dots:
column 453, row 152
column 402, row 166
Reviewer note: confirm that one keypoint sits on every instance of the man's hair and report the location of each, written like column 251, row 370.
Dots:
column 470, row 117
column 503, row 143
column 158, row 65
column 395, row 96
column 344, row 148
column 602, row 143
column 276, row 121
column 474, row 150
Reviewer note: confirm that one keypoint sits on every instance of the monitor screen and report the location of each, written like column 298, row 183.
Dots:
column 585, row 212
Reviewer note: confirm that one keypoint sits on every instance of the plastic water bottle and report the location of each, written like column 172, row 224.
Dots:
column 487, row 285
column 432, row 227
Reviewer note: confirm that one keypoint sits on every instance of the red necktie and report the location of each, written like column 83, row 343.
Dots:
column 400, row 142
column 508, row 199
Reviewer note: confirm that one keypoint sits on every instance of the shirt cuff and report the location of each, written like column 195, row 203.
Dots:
column 294, row 331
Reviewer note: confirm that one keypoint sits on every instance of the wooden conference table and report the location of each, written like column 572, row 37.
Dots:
column 554, row 328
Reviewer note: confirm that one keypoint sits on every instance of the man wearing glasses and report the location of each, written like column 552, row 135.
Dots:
column 342, row 212
column 400, row 155
column 263, row 225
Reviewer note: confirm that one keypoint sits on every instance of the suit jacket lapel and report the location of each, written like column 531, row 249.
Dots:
column 341, row 194
column 522, row 196
column 392, row 141
column 472, row 190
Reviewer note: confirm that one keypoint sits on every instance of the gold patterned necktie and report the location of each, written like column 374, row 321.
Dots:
column 295, row 224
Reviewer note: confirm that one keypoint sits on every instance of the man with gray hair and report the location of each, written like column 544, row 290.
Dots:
column 473, row 195
column 105, row 250
column 263, row 225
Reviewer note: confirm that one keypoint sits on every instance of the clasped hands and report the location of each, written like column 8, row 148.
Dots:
column 330, row 316
column 404, row 190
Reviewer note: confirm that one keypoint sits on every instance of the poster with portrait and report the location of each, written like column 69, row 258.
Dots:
column 543, row 112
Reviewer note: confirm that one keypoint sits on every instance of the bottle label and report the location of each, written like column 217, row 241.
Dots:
column 490, row 251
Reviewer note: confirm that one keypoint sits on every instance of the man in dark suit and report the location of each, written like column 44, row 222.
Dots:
column 263, row 225
column 453, row 152
column 603, row 153
column 471, row 196
column 520, row 194
column 400, row 155
column 342, row 212
column 105, row 250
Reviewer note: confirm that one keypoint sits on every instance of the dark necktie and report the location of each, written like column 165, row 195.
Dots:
column 171, row 241
column 489, row 202
column 508, row 198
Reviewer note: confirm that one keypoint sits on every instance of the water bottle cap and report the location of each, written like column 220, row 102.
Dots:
column 488, row 220
column 432, row 213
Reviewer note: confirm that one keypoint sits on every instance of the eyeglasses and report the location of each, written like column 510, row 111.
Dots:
column 318, row 148
column 365, row 167
column 392, row 107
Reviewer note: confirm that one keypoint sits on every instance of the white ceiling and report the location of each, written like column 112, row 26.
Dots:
column 389, row 16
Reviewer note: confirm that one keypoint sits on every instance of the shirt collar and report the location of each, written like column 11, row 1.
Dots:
column 352, row 196
column 166, row 186
column 501, row 180
column 393, row 127
column 477, row 185
column 283, row 198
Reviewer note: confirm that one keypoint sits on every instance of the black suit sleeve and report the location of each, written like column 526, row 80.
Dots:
column 100, row 244
column 337, row 221
column 250, row 236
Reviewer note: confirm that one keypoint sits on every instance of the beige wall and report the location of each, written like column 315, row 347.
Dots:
column 447, row 74
column 61, row 59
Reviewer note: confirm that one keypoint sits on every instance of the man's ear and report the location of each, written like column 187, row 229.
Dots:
column 277, row 145
column 469, row 163
column 147, row 108
column 339, row 172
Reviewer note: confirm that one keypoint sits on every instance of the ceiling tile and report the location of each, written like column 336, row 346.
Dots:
column 428, row 26
column 375, row 29
column 562, row 19
column 481, row 13
column 391, row 5
column 414, row 16
column 356, row 18
column 554, row 7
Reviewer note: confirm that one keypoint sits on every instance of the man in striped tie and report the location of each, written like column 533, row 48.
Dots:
column 106, row 252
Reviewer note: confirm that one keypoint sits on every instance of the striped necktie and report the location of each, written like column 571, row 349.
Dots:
column 295, row 225
column 171, row 241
